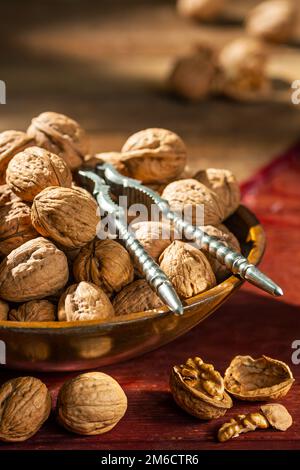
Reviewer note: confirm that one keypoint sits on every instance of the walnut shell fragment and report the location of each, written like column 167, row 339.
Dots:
column 193, row 200
column 11, row 143
column 136, row 297
column 35, row 270
column 260, row 379
column 4, row 309
column 25, row 404
column 187, row 268
column 200, row 9
column 199, row 389
column 66, row 215
column 34, row 310
column 90, row 404
column 34, row 169
column 277, row 415
column 60, row 135
column 84, row 301
column 105, row 263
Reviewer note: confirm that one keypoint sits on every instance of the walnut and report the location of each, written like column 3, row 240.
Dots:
column 114, row 158
column 106, row 263
column 242, row 69
column 187, row 268
column 189, row 198
column 61, row 135
column 154, row 236
column 136, row 297
column 4, row 309
column 15, row 226
column 272, row 20
column 66, row 215
column 84, row 301
column 34, row 169
column 192, row 75
column 35, row 310
column 200, row 9
column 35, row 270
column 227, row 237
column 277, row 415
column 11, row 142
column 6, row 194
column 91, row 403
column 25, row 404
column 199, row 389
column 260, row 379
column 242, row 424
column 224, row 184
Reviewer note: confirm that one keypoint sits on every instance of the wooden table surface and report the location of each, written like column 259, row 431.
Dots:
column 104, row 63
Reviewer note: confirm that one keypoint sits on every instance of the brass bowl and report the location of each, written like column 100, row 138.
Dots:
column 61, row 346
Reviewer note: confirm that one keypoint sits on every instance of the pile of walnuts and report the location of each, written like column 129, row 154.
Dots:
column 53, row 265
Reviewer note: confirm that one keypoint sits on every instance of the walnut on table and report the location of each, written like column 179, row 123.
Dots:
column 11, row 143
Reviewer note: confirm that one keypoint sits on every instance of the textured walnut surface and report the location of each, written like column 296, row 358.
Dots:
column 187, row 268
column 11, row 142
column 136, row 297
column 66, row 215
column 61, row 135
column 34, row 169
column 35, row 270
column 25, row 404
column 91, row 403
column 34, row 310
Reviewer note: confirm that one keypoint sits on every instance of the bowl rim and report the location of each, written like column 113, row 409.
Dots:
column 256, row 236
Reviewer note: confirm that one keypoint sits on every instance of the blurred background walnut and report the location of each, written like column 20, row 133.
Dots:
column 34, row 169
column 106, row 263
column 84, row 301
column 200, row 9
column 272, row 20
column 35, row 310
column 11, row 143
column 61, row 135
column 195, row 199
column 136, row 297
column 224, row 183
column 187, row 268
column 4, row 309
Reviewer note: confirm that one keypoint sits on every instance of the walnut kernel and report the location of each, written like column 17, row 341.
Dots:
column 4, row 309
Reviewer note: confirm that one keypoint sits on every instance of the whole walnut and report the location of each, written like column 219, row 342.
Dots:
column 106, row 263
column 195, row 201
column 11, row 143
column 4, row 309
column 6, row 194
column 224, row 183
column 192, row 75
column 154, row 236
column 66, row 215
column 187, row 268
column 90, row 404
column 34, row 169
column 242, row 69
column 84, row 301
column 25, row 404
column 34, row 270
column 272, row 20
column 136, row 297
column 200, row 9
column 229, row 239
column 61, row 135
column 15, row 226
column 35, row 310
column 154, row 156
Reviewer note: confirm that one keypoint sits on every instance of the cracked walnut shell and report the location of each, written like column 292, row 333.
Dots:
column 25, row 404
column 34, row 270
column 106, row 263
column 60, row 135
column 34, row 310
column 11, row 143
column 187, row 268
column 200, row 9
column 136, row 297
column 66, row 215
column 84, row 301
column 90, row 404
column 260, row 379
column 34, row 169
column 277, row 415
column 199, row 389
column 197, row 203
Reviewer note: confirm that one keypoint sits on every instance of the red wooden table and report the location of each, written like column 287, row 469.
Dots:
column 249, row 323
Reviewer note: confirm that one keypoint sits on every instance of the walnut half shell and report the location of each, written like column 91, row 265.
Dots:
column 260, row 379
column 199, row 389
